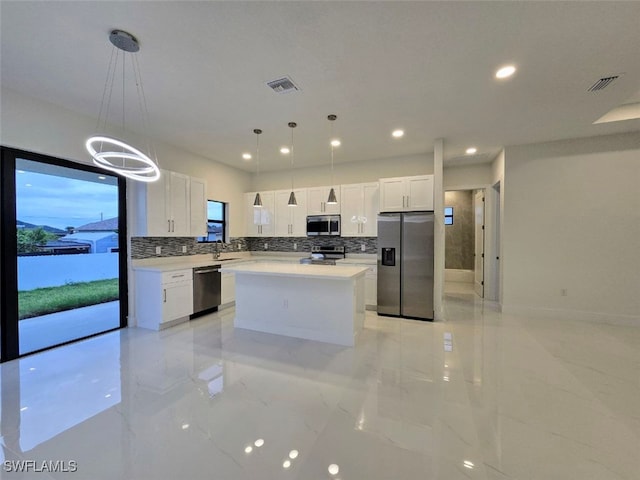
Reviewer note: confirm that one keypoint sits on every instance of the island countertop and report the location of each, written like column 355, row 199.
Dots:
column 297, row 270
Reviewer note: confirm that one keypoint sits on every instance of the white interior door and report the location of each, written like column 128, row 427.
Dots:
column 478, row 208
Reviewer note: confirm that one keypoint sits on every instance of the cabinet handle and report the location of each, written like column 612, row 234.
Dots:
column 165, row 296
column 177, row 276
column 408, row 201
column 168, row 225
column 173, row 225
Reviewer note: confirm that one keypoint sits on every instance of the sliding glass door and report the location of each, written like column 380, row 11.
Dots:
column 65, row 252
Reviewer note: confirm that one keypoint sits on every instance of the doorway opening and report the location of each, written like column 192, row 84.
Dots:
column 464, row 241
column 64, row 256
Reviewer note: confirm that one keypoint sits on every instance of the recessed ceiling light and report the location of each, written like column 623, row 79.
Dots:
column 471, row 150
column 285, row 150
column 259, row 442
column 335, row 142
column 506, row 71
column 397, row 133
column 293, row 454
column 286, row 464
column 246, row 156
column 334, row 469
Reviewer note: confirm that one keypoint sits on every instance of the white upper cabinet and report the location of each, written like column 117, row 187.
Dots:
column 291, row 221
column 165, row 208
column 403, row 194
column 198, row 203
column 260, row 222
column 359, row 209
column 317, row 201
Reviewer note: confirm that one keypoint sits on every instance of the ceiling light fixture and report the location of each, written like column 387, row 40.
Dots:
column 335, row 143
column 292, row 197
column 471, row 150
column 257, row 202
column 398, row 133
column 246, row 156
column 108, row 152
column 332, row 200
column 505, row 72
column 284, row 150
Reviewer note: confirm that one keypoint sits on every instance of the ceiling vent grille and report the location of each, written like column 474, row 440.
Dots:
column 603, row 83
column 283, row 85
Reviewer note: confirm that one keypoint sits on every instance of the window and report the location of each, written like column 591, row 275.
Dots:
column 216, row 222
column 448, row 215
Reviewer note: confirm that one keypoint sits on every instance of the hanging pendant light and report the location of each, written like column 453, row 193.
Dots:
column 257, row 202
column 292, row 196
column 332, row 200
column 111, row 153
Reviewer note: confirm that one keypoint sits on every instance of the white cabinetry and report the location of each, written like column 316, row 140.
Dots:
column 291, row 221
column 317, row 201
column 406, row 193
column 359, row 209
column 166, row 208
column 259, row 222
column 371, row 286
column 228, row 288
column 163, row 298
column 198, row 207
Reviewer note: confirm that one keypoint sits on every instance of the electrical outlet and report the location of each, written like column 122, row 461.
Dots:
column 184, row 249
column 563, row 292
column 295, row 246
column 266, row 246
column 158, row 250
column 363, row 247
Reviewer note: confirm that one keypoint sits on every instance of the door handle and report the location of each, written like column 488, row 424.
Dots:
column 165, row 296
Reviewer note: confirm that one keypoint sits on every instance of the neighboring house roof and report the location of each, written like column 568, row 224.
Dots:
column 89, row 236
column 46, row 228
column 108, row 224
column 59, row 245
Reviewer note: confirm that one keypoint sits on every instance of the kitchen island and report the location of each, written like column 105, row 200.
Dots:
column 314, row 302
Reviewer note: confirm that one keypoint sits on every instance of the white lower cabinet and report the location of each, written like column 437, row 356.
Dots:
column 371, row 287
column 163, row 298
column 228, row 289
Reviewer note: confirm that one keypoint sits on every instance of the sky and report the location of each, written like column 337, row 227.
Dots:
column 62, row 202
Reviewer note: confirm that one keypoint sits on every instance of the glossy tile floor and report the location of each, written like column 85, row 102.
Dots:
column 481, row 396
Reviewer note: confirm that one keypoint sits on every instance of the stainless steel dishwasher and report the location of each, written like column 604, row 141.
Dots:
column 206, row 288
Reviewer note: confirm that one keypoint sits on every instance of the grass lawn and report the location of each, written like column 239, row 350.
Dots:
column 33, row 303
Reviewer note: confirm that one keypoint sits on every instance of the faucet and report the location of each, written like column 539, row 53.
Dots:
column 216, row 250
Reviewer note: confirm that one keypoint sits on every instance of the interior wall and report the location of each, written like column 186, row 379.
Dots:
column 459, row 237
column 495, row 200
column 571, row 228
column 37, row 126
column 467, row 175
column 344, row 173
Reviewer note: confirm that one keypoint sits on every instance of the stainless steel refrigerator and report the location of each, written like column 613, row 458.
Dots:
column 405, row 264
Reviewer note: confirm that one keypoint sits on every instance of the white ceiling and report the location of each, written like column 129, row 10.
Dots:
column 426, row 67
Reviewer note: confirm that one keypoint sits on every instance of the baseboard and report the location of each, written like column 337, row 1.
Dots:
column 458, row 275
column 578, row 315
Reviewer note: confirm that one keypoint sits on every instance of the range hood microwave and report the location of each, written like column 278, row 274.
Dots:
column 323, row 225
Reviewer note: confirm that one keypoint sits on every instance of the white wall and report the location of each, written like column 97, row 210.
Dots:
column 467, row 175
column 41, row 127
column 353, row 172
column 572, row 221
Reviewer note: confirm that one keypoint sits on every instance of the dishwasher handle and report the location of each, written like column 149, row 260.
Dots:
column 206, row 271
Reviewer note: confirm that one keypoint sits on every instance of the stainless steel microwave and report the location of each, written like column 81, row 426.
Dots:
column 323, row 225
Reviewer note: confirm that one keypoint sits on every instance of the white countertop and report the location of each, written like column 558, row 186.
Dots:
column 171, row 264
column 332, row 272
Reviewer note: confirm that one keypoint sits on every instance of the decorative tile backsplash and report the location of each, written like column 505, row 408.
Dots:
column 145, row 247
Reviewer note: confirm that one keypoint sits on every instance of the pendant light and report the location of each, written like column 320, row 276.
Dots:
column 292, row 196
column 257, row 202
column 111, row 153
column 332, row 200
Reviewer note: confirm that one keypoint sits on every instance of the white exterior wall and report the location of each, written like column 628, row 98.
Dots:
column 572, row 221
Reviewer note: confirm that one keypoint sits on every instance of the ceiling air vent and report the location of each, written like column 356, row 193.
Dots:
column 603, row 83
column 283, row 85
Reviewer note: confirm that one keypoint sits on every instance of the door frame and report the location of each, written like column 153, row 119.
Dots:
column 490, row 262
column 9, row 341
